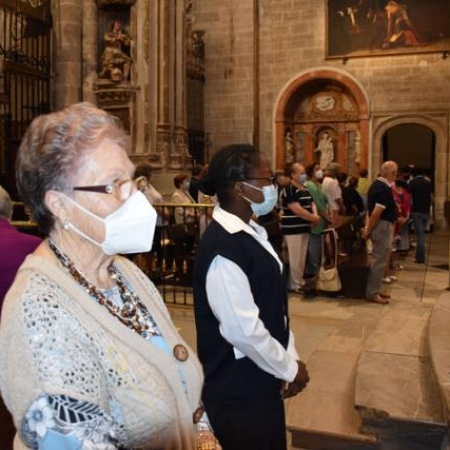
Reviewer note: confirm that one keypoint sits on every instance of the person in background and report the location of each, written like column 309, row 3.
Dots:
column 197, row 172
column 382, row 215
column 363, row 186
column 353, row 202
column 421, row 191
column 181, row 194
column 403, row 201
column 14, row 245
column 299, row 214
column 314, row 186
column 90, row 357
column 331, row 189
column 143, row 176
column 241, row 310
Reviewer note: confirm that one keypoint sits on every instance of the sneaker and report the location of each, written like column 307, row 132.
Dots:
column 386, row 280
column 393, row 278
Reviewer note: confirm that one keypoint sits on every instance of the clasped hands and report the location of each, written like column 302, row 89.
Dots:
column 298, row 384
column 207, row 441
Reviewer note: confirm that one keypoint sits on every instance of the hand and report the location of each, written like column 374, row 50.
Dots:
column 365, row 233
column 290, row 390
column 302, row 377
column 315, row 220
column 207, row 441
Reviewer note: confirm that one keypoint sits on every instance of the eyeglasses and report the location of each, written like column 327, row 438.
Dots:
column 269, row 179
column 122, row 189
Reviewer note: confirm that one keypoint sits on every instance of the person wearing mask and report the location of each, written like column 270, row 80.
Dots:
column 314, row 186
column 240, row 300
column 181, row 194
column 421, row 191
column 299, row 213
column 90, row 357
column 382, row 215
column 14, row 245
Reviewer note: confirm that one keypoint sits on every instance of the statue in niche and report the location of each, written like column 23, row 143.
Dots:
column 288, row 147
column 325, row 148
column 116, row 62
column 357, row 147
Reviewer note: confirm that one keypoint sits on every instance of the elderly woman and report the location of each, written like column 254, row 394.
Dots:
column 243, row 336
column 89, row 355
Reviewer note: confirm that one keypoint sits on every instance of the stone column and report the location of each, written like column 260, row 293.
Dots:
column 89, row 49
column 163, row 76
column 67, row 15
column 182, row 157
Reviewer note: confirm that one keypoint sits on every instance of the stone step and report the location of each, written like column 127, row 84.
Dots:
column 323, row 415
column 396, row 393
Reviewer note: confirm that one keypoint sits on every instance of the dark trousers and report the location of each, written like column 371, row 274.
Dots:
column 258, row 425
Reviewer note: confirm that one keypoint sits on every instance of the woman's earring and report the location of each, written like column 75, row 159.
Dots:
column 66, row 225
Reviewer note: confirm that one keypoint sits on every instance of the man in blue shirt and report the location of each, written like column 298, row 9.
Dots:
column 421, row 192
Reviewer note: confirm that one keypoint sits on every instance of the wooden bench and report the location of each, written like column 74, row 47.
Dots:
column 353, row 268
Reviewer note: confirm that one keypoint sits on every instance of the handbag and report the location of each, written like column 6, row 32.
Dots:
column 328, row 279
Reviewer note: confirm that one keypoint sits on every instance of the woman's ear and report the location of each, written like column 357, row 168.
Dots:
column 238, row 188
column 54, row 203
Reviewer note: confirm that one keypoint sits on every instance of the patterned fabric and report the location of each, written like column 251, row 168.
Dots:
column 58, row 343
column 62, row 422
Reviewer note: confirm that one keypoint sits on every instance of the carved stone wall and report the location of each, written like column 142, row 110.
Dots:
column 152, row 101
column 324, row 101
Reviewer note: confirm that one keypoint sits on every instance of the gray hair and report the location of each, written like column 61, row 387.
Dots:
column 6, row 206
column 53, row 151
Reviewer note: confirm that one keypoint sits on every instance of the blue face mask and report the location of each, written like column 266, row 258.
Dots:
column 303, row 178
column 270, row 200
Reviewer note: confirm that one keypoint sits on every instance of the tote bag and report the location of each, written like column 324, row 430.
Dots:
column 328, row 278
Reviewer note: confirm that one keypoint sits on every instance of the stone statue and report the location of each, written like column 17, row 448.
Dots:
column 288, row 147
column 357, row 147
column 325, row 147
column 116, row 62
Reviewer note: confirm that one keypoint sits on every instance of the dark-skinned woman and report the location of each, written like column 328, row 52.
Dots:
column 243, row 337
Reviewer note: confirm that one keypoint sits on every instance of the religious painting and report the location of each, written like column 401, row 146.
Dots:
column 361, row 28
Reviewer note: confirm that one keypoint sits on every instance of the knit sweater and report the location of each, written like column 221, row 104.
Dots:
column 55, row 338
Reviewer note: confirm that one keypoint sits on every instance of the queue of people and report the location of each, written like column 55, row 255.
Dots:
column 90, row 356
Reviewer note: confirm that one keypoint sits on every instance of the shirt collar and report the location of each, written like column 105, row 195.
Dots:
column 233, row 224
column 383, row 180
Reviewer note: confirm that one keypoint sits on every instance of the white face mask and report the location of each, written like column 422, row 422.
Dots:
column 319, row 174
column 129, row 229
column 270, row 199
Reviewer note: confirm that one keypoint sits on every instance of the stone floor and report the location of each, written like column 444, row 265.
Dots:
column 332, row 332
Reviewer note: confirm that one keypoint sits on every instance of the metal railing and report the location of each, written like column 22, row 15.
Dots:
column 170, row 262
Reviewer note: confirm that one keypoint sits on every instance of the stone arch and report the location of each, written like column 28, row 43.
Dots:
column 437, row 121
column 303, row 85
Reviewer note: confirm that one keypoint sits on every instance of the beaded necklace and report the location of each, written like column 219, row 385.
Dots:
column 132, row 314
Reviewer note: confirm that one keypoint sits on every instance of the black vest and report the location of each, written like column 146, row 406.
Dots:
column 227, row 379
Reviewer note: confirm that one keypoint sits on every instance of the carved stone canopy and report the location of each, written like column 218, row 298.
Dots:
column 103, row 3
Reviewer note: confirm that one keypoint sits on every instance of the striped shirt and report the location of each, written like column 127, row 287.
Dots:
column 291, row 223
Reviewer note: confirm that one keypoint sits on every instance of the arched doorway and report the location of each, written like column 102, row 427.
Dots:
column 323, row 110
column 410, row 144
column 433, row 125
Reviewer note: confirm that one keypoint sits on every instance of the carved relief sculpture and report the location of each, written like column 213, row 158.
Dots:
column 116, row 62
